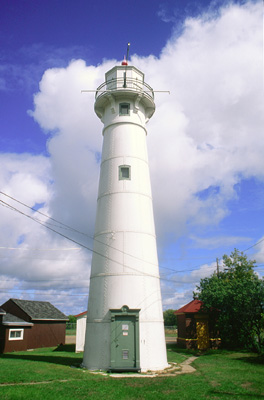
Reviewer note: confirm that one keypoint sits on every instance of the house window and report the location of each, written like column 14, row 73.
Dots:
column 124, row 172
column 124, row 109
column 16, row 334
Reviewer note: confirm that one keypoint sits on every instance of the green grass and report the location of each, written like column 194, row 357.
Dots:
column 70, row 332
column 171, row 332
column 54, row 374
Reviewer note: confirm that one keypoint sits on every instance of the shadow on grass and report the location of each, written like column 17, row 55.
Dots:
column 174, row 347
column 52, row 356
column 210, row 352
column 232, row 395
column 258, row 359
column 193, row 352
column 68, row 348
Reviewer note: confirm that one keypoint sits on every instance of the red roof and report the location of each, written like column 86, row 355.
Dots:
column 193, row 307
column 79, row 315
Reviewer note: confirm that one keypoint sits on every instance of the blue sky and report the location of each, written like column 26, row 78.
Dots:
column 205, row 139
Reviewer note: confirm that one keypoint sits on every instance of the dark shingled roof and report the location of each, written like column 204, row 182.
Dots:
column 10, row 319
column 40, row 310
column 2, row 312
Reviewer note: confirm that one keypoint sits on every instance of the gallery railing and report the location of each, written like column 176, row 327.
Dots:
column 124, row 84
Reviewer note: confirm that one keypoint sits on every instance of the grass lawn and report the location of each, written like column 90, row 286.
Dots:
column 54, row 374
column 70, row 332
column 171, row 333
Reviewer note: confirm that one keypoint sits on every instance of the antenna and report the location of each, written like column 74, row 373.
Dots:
column 128, row 46
column 125, row 62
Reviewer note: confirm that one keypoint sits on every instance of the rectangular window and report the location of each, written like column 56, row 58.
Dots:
column 124, row 172
column 124, row 108
column 16, row 334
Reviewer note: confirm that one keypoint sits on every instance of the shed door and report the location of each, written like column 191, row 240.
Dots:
column 202, row 335
column 124, row 346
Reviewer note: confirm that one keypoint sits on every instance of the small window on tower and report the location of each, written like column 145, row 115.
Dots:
column 124, row 172
column 124, row 109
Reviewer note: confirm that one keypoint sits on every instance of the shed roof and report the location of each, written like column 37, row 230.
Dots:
column 40, row 310
column 82, row 314
column 13, row 320
column 193, row 307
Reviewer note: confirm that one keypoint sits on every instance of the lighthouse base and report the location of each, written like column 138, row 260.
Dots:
column 125, row 343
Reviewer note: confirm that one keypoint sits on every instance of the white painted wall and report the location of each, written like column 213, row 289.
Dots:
column 80, row 333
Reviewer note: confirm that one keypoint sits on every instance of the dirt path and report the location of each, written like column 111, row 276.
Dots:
column 172, row 370
column 70, row 339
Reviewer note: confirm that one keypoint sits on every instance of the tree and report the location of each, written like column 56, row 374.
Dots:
column 170, row 318
column 72, row 319
column 234, row 300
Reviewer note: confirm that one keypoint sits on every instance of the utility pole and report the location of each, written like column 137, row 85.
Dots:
column 217, row 267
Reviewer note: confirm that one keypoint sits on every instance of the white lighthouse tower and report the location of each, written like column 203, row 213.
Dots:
column 125, row 329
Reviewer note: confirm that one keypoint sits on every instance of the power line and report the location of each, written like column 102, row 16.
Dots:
column 4, row 290
column 78, row 248
column 83, row 280
column 74, row 241
column 61, row 225
column 254, row 245
column 38, row 249
column 44, row 215
column 80, row 244
column 23, row 291
column 43, row 280
column 47, row 294
column 45, row 258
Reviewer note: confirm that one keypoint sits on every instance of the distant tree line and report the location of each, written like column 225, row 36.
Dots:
column 170, row 318
column 72, row 319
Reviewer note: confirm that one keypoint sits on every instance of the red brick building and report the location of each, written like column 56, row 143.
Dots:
column 194, row 327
